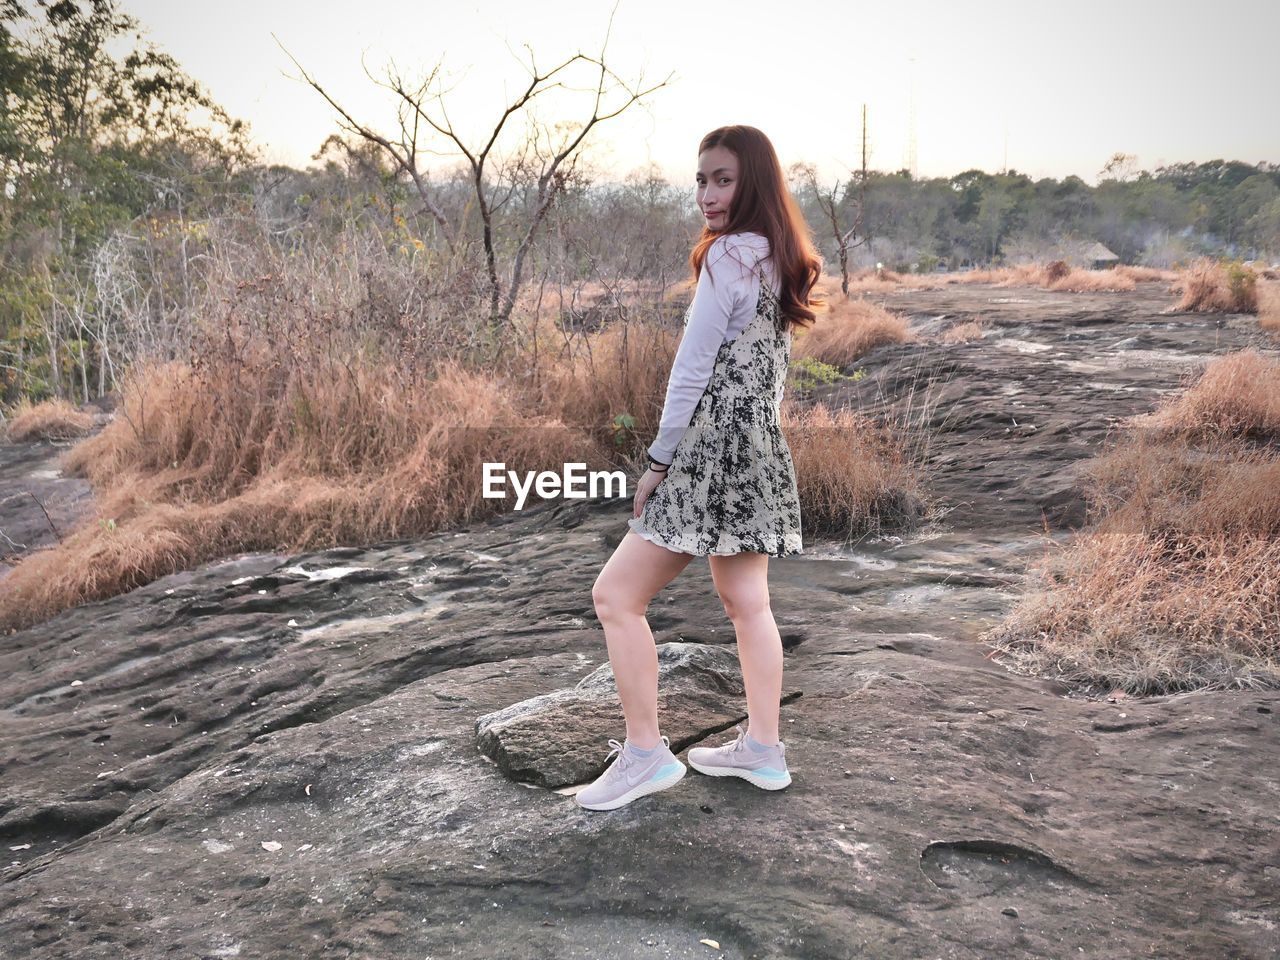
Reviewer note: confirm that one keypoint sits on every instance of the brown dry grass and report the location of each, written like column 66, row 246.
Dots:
column 1146, row 274
column 853, row 475
column 1177, row 584
column 590, row 380
column 870, row 280
column 280, row 444
column 194, row 468
column 974, row 329
column 1269, row 305
column 1238, row 395
column 992, row 275
column 1060, row 276
column 590, row 304
column 873, row 281
column 1054, row 275
column 1090, row 281
column 850, row 328
column 1209, row 286
column 47, row 420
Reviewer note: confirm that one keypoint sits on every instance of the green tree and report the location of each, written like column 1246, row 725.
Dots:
column 88, row 141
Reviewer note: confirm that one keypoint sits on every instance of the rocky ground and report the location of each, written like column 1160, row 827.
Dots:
column 283, row 756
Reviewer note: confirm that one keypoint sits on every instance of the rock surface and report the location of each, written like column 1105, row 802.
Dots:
column 39, row 504
column 278, row 756
column 550, row 739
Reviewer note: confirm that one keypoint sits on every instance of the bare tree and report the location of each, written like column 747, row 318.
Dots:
column 1121, row 167
column 834, row 201
column 547, row 168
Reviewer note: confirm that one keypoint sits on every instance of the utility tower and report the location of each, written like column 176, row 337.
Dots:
column 910, row 163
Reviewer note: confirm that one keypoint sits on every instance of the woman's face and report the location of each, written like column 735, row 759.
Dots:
column 717, row 179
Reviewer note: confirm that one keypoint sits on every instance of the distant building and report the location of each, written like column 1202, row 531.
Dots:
column 1098, row 257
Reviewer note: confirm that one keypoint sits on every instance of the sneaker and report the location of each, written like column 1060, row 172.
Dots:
column 766, row 769
column 631, row 776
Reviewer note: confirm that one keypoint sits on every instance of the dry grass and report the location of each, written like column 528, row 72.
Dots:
column 850, row 329
column 1238, row 395
column 871, row 280
column 47, row 420
column 1269, row 305
column 196, row 467
column 1054, row 275
column 1024, row 274
column 590, row 380
column 1092, row 281
column 590, row 305
column 1146, row 274
column 991, row 275
column 1060, row 276
column 853, row 475
column 974, row 329
column 1177, row 584
column 318, row 439
column 1209, row 286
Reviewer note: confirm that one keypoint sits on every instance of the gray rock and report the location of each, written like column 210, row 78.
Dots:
column 560, row 738
column 333, row 703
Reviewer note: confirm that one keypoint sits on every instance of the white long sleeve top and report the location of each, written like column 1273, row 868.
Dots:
column 724, row 302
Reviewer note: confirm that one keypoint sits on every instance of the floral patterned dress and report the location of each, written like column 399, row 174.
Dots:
column 731, row 486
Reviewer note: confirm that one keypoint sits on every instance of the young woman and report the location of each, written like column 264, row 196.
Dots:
column 720, row 482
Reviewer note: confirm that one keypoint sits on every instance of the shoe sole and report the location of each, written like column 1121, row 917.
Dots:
column 764, row 783
column 640, row 789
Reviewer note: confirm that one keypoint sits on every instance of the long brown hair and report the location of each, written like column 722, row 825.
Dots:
column 763, row 204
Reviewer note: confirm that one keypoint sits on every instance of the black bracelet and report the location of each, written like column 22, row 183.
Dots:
column 665, row 466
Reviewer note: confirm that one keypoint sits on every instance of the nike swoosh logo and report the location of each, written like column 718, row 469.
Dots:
column 631, row 783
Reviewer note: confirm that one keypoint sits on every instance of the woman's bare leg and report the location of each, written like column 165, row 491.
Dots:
column 742, row 580
column 638, row 569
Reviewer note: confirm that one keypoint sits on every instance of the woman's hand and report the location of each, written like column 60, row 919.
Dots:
column 644, row 487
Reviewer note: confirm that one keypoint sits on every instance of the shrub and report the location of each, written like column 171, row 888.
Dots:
column 47, row 420
column 810, row 372
column 1210, row 287
column 1056, row 270
column 850, row 329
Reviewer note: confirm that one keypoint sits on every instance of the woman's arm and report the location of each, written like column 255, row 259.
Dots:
column 722, row 285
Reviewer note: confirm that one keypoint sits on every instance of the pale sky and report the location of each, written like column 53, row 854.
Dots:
column 1047, row 88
